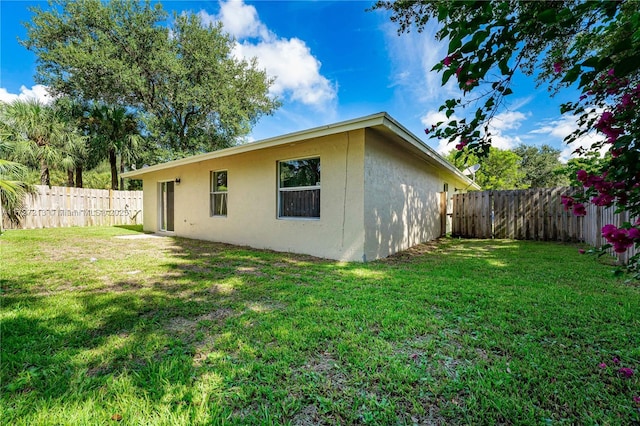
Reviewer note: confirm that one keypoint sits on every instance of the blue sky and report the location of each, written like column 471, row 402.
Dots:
column 332, row 61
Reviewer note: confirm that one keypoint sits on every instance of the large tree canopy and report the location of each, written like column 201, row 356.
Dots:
column 541, row 166
column 500, row 169
column 591, row 46
column 180, row 73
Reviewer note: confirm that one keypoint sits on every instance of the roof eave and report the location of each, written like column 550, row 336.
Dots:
column 316, row 132
column 406, row 135
column 374, row 120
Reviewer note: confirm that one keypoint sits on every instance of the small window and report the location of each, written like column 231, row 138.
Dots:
column 218, row 196
column 446, row 187
column 299, row 188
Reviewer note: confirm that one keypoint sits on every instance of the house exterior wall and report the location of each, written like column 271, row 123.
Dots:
column 252, row 217
column 402, row 198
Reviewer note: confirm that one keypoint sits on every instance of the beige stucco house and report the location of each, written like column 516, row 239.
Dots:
column 356, row 190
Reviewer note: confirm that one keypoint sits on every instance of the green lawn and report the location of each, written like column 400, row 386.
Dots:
column 104, row 330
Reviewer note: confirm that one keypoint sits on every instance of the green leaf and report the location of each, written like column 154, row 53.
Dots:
column 504, row 67
column 446, row 75
column 572, row 75
column 455, row 44
column 587, row 78
column 469, row 46
column 548, row 16
column 507, row 91
column 443, row 12
column 630, row 64
column 592, row 62
column 480, row 36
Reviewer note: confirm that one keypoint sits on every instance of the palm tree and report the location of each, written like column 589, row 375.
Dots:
column 38, row 133
column 74, row 113
column 117, row 132
column 12, row 188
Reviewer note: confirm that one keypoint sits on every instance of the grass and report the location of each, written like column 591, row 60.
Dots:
column 169, row 331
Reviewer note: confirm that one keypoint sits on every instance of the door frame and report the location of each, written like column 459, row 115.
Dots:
column 164, row 222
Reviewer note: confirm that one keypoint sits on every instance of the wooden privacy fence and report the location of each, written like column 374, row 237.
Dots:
column 59, row 206
column 531, row 214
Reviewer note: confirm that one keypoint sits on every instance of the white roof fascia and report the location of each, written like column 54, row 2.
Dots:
column 374, row 120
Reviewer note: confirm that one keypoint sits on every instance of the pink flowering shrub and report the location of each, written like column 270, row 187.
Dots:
column 619, row 183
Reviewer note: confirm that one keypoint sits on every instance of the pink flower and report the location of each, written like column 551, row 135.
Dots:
column 582, row 251
column 626, row 372
column 579, row 209
column 608, row 231
column 447, row 61
column 602, row 365
column 633, row 233
column 605, row 126
column 621, row 247
column 626, row 100
column 567, row 202
column 582, row 175
column 470, row 83
column 619, row 238
column 615, row 360
column 636, row 399
column 603, row 200
column 462, row 144
column 606, row 117
column 557, row 67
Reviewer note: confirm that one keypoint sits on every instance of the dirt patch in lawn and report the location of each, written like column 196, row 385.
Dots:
column 181, row 325
column 308, row 416
column 410, row 254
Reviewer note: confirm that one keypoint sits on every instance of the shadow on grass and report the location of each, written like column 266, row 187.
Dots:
column 227, row 332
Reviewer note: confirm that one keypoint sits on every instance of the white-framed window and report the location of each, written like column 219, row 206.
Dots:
column 218, row 194
column 299, row 188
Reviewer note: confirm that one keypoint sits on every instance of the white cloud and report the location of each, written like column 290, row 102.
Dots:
column 432, row 118
column 562, row 127
column 38, row 92
column 500, row 125
column 290, row 61
column 500, row 128
column 238, row 19
column 508, row 120
column 412, row 56
column 297, row 71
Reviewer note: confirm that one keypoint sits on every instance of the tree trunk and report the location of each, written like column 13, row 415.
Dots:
column 78, row 176
column 45, row 178
column 114, row 168
column 122, row 188
column 70, row 178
